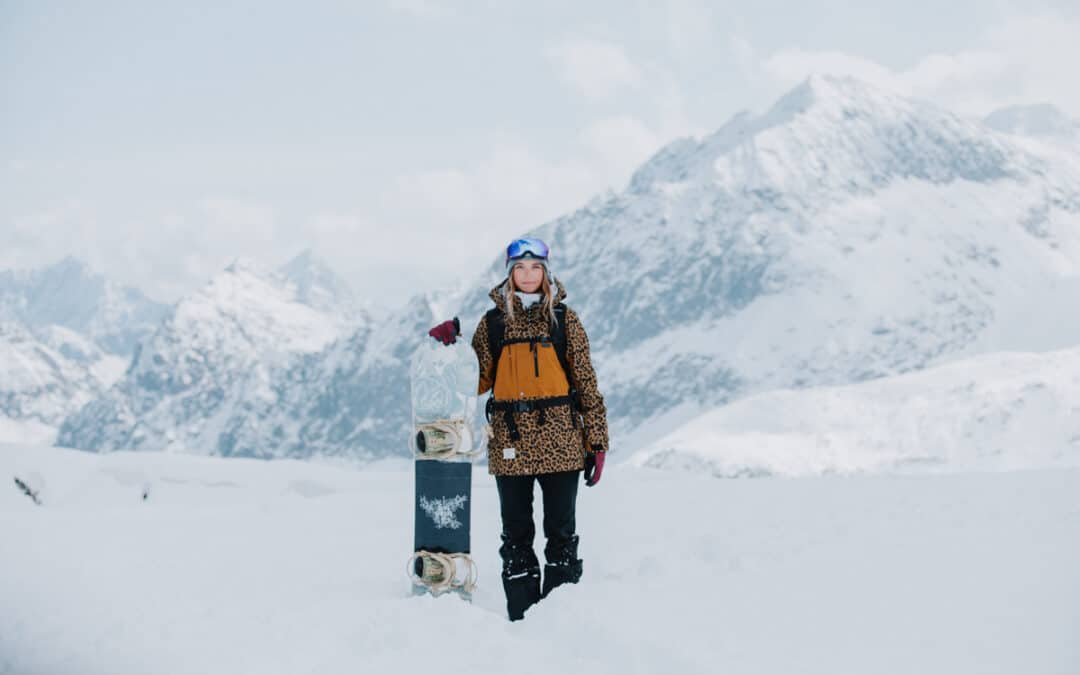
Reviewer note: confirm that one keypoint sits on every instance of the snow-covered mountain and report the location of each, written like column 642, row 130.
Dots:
column 990, row 412
column 66, row 337
column 846, row 234
column 320, row 287
column 106, row 368
column 69, row 294
column 351, row 399
column 209, row 361
column 1041, row 120
column 46, row 375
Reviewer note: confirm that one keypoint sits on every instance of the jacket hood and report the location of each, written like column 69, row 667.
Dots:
column 496, row 295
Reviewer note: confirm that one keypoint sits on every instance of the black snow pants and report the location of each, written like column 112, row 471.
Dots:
column 521, row 568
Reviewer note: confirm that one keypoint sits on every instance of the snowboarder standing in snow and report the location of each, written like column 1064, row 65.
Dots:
column 548, row 419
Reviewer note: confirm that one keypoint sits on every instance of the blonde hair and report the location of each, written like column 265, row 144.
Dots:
column 548, row 299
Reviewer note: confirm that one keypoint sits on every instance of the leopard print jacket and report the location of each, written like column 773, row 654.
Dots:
column 559, row 443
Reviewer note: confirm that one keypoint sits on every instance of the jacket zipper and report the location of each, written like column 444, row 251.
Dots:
column 536, row 358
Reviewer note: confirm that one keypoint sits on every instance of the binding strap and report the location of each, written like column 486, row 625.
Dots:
column 439, row 572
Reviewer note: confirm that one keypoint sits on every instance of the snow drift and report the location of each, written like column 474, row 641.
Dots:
column 993, row 412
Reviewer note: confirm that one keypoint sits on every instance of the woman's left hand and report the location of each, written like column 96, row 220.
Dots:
column 447, row 331
column 594, row 467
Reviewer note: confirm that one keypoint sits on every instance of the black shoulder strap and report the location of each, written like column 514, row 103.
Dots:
column 495, row 330
column 558, row 336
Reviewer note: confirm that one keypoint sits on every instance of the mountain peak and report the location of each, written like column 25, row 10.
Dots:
column 839, row 99
column 305, row 264
column 832, row 134
column 318, row 285
column 841, row 87
column 68, row 292
column 813, row 89
column 246, row 265
column 69, row 264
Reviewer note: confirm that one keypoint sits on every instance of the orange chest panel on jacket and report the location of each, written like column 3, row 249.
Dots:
column 529, row 370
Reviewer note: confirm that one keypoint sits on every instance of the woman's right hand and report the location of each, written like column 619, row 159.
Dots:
column 447, row 331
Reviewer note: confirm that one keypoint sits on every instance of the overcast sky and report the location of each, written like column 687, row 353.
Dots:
column 406, row 141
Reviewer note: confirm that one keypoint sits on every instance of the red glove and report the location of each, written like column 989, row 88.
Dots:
column 447, row 331
column 594, row 467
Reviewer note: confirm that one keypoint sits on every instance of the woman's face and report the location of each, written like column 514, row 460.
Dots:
column 528, row 275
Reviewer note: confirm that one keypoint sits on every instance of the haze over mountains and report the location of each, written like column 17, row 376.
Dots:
column 1041, row 120
column 846, row 234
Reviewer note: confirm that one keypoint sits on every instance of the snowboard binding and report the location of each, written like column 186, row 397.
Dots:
column 443, row 439
column 438, row 573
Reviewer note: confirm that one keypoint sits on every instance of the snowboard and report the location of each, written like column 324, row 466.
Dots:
column 443, row 383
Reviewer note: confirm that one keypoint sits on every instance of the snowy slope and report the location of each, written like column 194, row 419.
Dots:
column 238, row 566
column 993, row 412
column 107, row 368
column 208, row 360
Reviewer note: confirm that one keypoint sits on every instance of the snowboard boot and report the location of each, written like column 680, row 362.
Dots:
column 562, row 565
column 521, row 579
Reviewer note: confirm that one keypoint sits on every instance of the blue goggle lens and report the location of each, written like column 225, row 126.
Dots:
column 520, row 247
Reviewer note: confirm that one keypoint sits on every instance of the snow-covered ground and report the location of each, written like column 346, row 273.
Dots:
column 243, row 566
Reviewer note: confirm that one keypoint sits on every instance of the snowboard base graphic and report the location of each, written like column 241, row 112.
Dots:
column 443, row 381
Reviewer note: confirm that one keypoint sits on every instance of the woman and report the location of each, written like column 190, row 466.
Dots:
column 548, row 419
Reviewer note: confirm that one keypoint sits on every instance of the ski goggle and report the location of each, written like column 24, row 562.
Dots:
column 522, row 247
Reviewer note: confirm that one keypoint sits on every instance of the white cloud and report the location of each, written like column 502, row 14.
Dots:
column 165, row 255
column 329, row 224
column 182, row 248
column 246, row 218
column 462, row 216
column 435, row 226
column 1022, row 60
column 690, row 26
column 742, row 51
column 620, row 145
column 788, row 67
column 511, row 188
column 595, row 69
column 422, row 9
column 450, row 191
column 38, row 238
column 607, row 134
